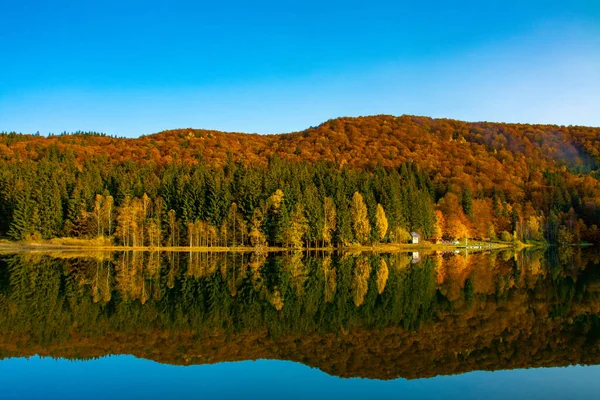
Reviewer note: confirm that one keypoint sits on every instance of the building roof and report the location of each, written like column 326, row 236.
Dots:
column 415, row 234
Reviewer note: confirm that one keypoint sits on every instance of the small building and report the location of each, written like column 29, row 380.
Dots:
column 415, row 237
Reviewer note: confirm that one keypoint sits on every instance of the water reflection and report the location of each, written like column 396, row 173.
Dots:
column 378, row 316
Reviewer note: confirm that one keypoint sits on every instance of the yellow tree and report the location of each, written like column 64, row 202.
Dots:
column 136, row 222
column 533, row 228
column 153, row 234
column 107, row 213
column 125, row 221
column 360, row 220
column 298, row 226
column 440, row 222
column 276, row 199
column 172, row 227
column 191, row 229
column 455, row 228
column 257, row 238
column 381, row 222
column 457, row 223
column 482, row 217
column 400, row 235
column 145, row 210
column 98, row 213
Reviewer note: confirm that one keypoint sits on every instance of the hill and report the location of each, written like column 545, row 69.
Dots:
column 513, row 171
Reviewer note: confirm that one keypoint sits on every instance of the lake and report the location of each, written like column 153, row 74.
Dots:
column 300, row 325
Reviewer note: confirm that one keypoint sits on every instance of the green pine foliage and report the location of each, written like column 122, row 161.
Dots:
column 55, row 198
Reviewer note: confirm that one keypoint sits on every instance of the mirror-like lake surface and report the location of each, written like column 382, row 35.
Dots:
column 321, row 325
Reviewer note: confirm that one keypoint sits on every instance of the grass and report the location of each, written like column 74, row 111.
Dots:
column 104, row 244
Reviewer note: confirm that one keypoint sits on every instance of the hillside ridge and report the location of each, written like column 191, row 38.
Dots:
column 512, row 180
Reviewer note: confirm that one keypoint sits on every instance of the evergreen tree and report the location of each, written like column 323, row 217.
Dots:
column 21, row 226
column 467, row 203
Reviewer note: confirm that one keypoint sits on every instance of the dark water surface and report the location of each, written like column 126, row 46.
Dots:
column 179, row 325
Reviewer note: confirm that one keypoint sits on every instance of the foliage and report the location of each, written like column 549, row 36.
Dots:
column 440, row 178
column 506, row 309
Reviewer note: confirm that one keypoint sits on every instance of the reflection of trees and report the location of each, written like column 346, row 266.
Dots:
column 485, row 297
column 382, row 275
column 298, row 271
column 329, row 273
column 456, row 269
column 101, row 289
column 362, row 272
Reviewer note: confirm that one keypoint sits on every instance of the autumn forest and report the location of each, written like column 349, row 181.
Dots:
column 348, row 181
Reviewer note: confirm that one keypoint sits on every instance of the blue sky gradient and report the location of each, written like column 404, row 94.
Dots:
column 138, row 67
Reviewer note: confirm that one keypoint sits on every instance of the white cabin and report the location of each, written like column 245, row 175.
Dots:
column 415, row 237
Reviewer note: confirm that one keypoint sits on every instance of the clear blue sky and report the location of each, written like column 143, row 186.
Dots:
column 137, row 67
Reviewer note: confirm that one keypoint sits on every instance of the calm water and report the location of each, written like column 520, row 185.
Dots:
column 297, row 325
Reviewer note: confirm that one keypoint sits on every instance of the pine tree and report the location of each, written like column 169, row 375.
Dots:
column 21, row 227
column 467, row 203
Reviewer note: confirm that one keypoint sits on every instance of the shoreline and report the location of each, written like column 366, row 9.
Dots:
column 7, row 246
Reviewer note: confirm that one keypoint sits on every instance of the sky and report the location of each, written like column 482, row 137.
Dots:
column 129, row 68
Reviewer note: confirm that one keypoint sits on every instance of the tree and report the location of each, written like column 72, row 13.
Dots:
column 257, row 237
column 534, row 228
column 506, row 237
column 456, row 225
column 98, row 214
column 143, row 214
column 381, row 222
column 107, row 213
column 455, row 228
column 440, row 223
column 400, row 235
column 298, row 227
column 482, row 217
column 21, row 226
column 467, row 203
column 236, row 224
column 330, row 220
column 360, row 220
column 173, row 239
column 274, row 223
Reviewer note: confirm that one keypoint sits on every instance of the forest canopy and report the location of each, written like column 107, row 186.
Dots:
column 349, row 180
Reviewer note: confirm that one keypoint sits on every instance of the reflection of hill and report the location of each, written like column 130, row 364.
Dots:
column 443, row 316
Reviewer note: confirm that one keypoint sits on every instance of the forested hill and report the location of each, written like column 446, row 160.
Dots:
column 498, row 175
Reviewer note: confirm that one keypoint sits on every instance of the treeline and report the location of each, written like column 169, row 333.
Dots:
column 283, row 292
column 282, row 204
column 349, row 180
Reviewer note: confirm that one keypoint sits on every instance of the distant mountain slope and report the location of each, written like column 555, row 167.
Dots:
column 481, row 155
column 522, row 178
